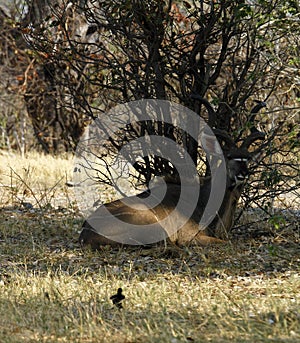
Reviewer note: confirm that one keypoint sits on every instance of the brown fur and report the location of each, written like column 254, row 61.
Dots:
column 133, row 212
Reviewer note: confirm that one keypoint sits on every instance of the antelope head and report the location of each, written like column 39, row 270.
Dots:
column 131, row 220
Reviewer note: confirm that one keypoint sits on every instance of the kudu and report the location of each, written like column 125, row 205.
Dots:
column 100, row 228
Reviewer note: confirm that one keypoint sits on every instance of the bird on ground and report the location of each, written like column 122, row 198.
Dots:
column 118, row 298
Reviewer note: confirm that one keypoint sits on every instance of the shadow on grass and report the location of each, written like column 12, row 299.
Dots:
column 48, row 240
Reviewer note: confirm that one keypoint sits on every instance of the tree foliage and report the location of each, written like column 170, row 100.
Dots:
column 96, row 54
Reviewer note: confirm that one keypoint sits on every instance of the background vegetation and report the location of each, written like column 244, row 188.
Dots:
column 66, row 64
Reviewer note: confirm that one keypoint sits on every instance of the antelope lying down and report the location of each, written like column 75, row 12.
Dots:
column 112, row 232
column 102, row 228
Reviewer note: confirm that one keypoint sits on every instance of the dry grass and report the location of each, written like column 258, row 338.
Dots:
column 38, row 168
column 35, row 177
column 52, row 291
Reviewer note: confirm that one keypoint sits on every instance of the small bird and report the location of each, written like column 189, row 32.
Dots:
column 118, row 298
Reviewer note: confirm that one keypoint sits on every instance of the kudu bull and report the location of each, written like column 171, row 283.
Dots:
column 100, row 228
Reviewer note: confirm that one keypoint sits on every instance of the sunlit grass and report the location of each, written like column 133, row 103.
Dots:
column 36, row 168
column 37, row 178
column 167, row 307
